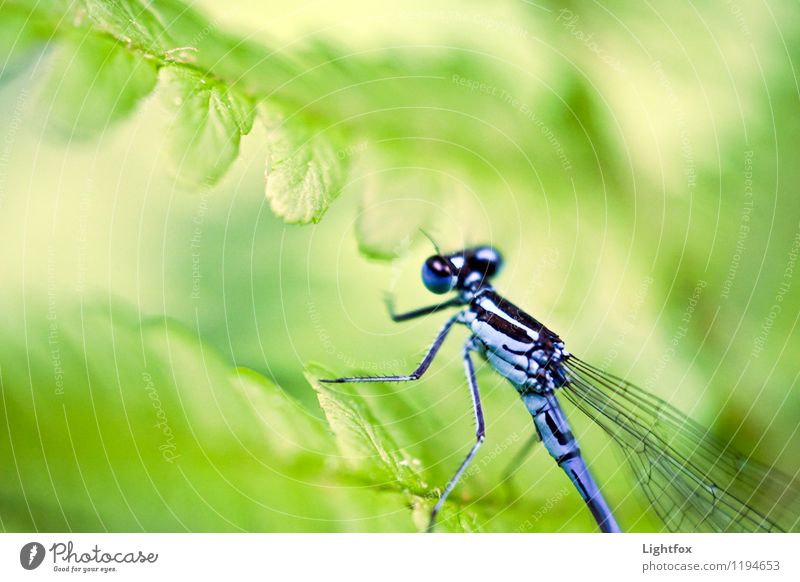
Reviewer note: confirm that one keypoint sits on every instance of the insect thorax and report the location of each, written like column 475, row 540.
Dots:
column 516, row 345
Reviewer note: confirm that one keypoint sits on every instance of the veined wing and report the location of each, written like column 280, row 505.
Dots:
column 694, row 482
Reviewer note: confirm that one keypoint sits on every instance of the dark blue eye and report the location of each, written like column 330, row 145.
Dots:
column 437, row 275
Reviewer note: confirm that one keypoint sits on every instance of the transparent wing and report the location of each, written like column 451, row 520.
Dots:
column 694, row 482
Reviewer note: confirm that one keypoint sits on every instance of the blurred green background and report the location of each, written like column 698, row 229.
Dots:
column 637, row 165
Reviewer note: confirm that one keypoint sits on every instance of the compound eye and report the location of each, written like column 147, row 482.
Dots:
column 490, row 258
column 437, row 275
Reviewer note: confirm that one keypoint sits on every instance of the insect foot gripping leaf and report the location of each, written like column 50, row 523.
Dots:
column 210, row 120
column 362, row 441
column 372, row 454
column 304, row 172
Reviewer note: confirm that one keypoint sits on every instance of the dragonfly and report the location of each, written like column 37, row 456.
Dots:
column 693, row 481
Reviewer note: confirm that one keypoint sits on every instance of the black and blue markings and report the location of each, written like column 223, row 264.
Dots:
column 692, row 481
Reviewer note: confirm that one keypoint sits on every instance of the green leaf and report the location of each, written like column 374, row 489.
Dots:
column 366, row 444
column 208, row 124
column 22, row 29
column 108, row 423
column 95, row 82
column 363, row 443
column 16, row 34
column 304, row 171
column 293, row 431
column 395, row 204
column 133, row 22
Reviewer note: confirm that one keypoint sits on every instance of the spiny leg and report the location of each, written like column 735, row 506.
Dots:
column 454, row 302
column 480, row 433
column 416, row 374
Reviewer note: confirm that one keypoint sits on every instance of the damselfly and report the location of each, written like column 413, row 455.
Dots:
column 693, row 481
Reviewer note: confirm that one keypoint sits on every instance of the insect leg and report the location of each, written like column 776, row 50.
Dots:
column 480, row 432
column 416, row 374
column 454, row 302
column 552, row 426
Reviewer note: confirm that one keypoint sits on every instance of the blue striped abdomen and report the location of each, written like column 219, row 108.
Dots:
column 557, row 437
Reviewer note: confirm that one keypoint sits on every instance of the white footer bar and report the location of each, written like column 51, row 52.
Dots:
column 400, row 557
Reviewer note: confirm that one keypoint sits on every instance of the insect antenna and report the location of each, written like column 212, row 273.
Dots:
column 433, row 242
